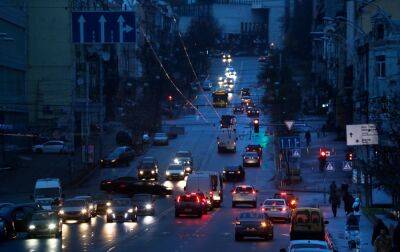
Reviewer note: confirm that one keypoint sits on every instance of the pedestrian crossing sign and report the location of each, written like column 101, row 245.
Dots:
column 347, row 166
column 296, row 153
column 330, row 167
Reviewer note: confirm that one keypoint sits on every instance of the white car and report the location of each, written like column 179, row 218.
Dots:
column 175, row 172
column 50, row 147
column 244, row 194
column 160, row 139
column 308, row 245
column 276, row 209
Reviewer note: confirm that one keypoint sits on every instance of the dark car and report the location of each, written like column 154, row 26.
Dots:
column 290, row 199
column 227, row 121
column 147, row 169
column 118, row 184
column 189, row 204
column 145, row 204
column 251, row 159
column 45, row 223
column 253, row 224
column 75, row 209
column 245, row 92
column 253, row 112
column 203, row 200
column 131, row 186
column 16, row 217
column 262, row 59
column 255, row 148
column 238, row 109
column 120, row 156
column 121, row 210
column 233, row 173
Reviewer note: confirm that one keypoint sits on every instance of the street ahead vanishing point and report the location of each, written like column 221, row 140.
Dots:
column 103, row 27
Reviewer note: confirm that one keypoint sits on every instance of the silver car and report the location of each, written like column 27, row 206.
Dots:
column 251, row 159
column 75, row 209
column 175, row 172
column 244, row 194
column 276, row 209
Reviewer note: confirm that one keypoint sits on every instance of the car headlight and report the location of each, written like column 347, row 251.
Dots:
column 153, row 171
column 141, row 172
column 32, row 227
column 108, row 204
column 167, row 173
column 52, row 226
column 176, row 161
column 113, row 161
column 148, row 206
column 224, row 172
column 61, row 212
column 109, row 211
column 263, row 224
column 181, row 173
column 90, row 207
column 188, row 168
column 84, row 210
column 130, row 210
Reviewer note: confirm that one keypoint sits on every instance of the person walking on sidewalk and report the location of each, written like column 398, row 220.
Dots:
column 307, row 136
column 348, row 201
column 332, row 187
column 335, row 203
column 383, row 243
column 379, row 225
column 357, row 209
column 396, row 237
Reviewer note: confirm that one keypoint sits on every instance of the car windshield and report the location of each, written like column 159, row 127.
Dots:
column 274, row 203
column 175, row 167
column 250, row 215
column 74, row 203
column 251, row 154
column 232, row 168
column 42, row 216
column 116, row 153
column 47, row 192
column 189, row 198
column 182, row 154
column 244, row 189
column 121, row 202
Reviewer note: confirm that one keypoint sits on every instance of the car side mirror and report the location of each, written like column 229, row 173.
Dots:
column 326, row 222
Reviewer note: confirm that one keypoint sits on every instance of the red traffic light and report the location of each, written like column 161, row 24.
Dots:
column 322, row 153
column 256, row 121
column 170, row 98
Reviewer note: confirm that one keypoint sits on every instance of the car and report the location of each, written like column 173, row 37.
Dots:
column 50, row 147
column 145, row 204
column 203, row 200
column 207, row 85
column 262, row 59
column 117, row 184
column 92, row 204
column 120, row 156
column 245, row 92
column 121, row 210
column 185, row 158
column 244, row 194
column 253, row 112
column 147, row 169
column 15, row 217
column 131, row 186
column 238, row 109
column 307, row 223
column 75, row 209
column 290, row 199
column 251, row 159
column 277, row 209
column 246, row 100
column 175, row 172
column 253, row 224
column 233, row 173
column 308, row 245
column 189, row 204
column 45, row 223
column 255, row 148
column 208, row 182
column 228, row 121
column 160, row 138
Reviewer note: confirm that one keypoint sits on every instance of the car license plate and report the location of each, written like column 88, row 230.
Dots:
column 187, row 210
column 273, row 209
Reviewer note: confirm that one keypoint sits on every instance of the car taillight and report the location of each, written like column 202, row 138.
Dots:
column 263, row 209
column 283, row 209
column 254, row 192
column 293, row 202
column 178, row 199
column 234, row 192
column 122, row 185
column 197, row 199
column 108, row 182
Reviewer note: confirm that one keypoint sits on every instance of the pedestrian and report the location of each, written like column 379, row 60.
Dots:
column 357, row 209
column 383, row 243
column 379, row 225
column 396, row 237
column 308, row 138
column 334, row 199
column 332, row 187
column 348, row 201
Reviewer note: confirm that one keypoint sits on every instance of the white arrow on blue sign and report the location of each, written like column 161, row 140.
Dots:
column 103, row 27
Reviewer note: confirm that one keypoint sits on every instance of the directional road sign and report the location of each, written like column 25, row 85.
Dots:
column 103, row 27
column 347, row 166
column 290, row 142
column 361, row 134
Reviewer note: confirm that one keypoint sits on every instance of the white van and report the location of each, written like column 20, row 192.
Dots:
column 207, row 182
column 226, row 141
column 48, row 192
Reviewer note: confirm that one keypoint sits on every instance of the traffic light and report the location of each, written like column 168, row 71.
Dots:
column 349, row 156
column 256, row 125
column 170, row 98
column 322, row 159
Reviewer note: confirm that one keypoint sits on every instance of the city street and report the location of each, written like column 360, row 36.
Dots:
column 214, row 231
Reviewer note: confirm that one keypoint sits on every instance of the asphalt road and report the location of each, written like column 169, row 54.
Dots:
column 164, row 232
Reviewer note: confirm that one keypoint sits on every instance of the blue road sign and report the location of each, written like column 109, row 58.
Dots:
column 290, row 142
column 103, row 27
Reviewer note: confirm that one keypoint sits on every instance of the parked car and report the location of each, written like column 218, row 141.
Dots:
column 50, row 147
column 253, row 224
column 45, row 223
column 145, row 204
column 120, row 156
column 233, row 173
column 160, row 139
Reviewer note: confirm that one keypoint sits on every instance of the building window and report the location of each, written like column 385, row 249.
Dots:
column 380, row 65
column 380, row 31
